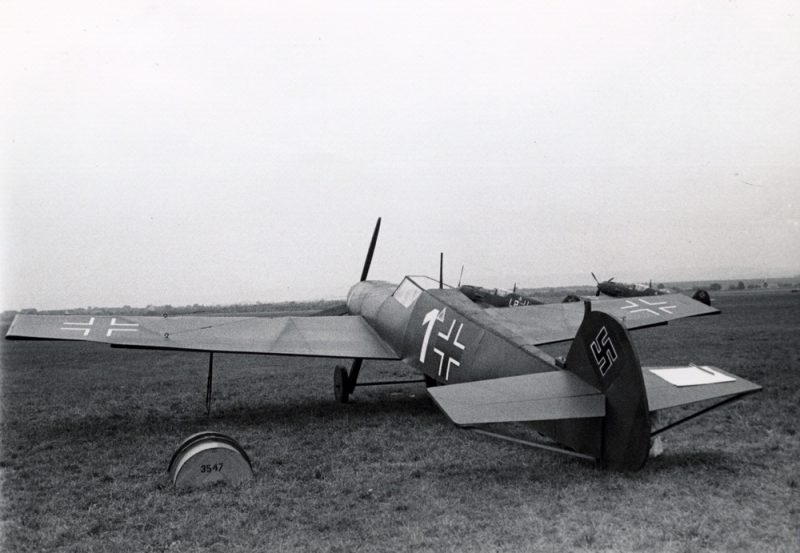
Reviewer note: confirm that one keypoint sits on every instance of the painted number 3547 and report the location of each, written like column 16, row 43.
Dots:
column 217, row 467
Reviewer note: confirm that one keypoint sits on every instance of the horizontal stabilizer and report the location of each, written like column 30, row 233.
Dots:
column 543, row 396
column 346, row 336
column 673, row 386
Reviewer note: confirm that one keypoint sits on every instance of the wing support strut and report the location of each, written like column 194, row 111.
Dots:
column 700, row 412
column 533, row 444
column 391, row 382
column 208, row 384
column 352, row 376
column 345, row 382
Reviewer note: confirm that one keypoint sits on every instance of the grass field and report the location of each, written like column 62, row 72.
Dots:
column 88, row 431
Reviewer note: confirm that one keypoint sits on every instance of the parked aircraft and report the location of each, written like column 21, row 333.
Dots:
column 491, row 297
column 625, row 290
column 496, row 297
column 484, row 366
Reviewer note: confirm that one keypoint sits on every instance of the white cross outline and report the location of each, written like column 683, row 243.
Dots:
column 431, row 318
column 446, row 337
column 665, row 308
column 86, row 327
column 85, row 331
column 450, row 361
column 115, row 323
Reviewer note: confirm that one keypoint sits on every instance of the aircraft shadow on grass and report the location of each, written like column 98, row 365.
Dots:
column 482, row 366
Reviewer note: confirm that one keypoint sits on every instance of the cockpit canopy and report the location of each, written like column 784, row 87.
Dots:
column 412, row 286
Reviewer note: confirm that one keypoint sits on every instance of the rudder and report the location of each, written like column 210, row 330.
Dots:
column 603, row 355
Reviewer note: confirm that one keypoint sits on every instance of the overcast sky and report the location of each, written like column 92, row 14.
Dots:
column 204, row 152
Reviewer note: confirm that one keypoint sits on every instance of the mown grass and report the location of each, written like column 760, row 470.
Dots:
column 87, row 432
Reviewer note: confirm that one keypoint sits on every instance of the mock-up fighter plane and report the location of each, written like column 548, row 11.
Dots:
column 635, row 290
column 484, row 366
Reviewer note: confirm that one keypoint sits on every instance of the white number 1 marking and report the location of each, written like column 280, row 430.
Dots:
column 430, row 319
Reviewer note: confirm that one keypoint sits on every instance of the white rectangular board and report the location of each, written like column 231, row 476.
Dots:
column 693, row 375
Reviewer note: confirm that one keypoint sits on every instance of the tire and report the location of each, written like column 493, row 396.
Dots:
column 341, row 388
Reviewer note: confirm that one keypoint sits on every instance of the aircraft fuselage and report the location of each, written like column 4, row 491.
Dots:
column 443, row 334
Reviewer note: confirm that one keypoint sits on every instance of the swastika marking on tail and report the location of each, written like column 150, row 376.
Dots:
column 603, row 351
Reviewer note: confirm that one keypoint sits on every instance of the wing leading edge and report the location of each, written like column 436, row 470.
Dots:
column 344, row 336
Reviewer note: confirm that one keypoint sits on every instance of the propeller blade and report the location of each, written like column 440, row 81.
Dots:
column 371, row 250
column 595, row 278
column 461, row 274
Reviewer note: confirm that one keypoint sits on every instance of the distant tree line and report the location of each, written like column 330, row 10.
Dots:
column 194, row 309
column 740, row 285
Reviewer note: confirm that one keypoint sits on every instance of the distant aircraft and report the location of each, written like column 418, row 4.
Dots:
column 492, row 297
column 483, row 366
column 624, row 290
column 497, row 297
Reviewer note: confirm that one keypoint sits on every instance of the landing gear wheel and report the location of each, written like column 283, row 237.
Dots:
column 341, row 387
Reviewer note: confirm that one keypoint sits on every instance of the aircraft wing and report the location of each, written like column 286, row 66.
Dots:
column 532, row 397
column 345, row 336
column 558, row 322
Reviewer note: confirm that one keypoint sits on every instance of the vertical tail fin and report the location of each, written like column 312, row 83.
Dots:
column 702, row 296
column 603, row 355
